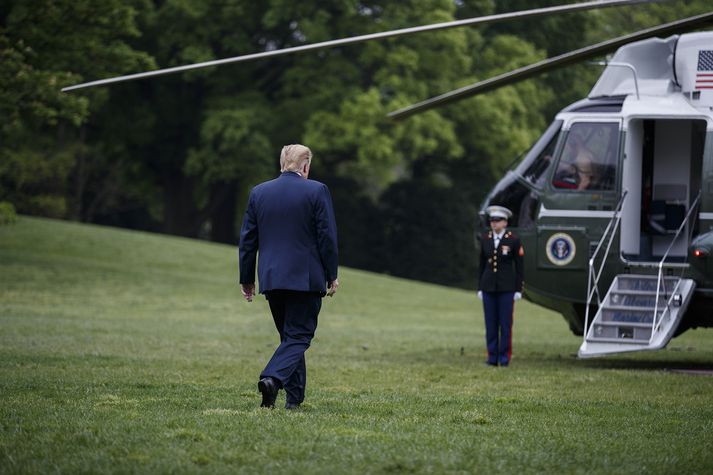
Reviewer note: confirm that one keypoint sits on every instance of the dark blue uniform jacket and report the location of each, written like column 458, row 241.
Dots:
column 501, row 269
column 290, row 220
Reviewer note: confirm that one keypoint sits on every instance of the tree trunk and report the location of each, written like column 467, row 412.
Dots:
column 223, row 215
column 180, row 216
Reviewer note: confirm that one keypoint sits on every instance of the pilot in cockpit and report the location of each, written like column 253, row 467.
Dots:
column 579, row 174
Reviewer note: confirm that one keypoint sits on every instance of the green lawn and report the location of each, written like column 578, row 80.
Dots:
column 129, row 352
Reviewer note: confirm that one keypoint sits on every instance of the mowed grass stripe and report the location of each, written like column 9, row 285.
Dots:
column 127, row 352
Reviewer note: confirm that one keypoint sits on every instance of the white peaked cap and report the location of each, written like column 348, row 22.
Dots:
column 498, row 212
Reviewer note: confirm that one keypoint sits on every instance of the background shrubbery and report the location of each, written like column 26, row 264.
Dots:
column 7, row 213
column 178, row 154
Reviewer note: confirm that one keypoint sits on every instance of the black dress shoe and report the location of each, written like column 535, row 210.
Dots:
column 291, row 406
column 269, row 389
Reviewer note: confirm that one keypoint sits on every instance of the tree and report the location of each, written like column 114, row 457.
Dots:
column 179, row 153
column 41, row 137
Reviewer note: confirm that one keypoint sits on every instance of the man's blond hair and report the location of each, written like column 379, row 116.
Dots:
column 294, row 157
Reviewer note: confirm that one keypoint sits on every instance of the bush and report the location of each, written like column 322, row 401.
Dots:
column 7, row 213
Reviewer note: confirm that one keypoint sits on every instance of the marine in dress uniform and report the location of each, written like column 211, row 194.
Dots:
column 501, row 281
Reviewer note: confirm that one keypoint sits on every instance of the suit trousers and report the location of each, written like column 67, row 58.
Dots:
column 498, row 308
column 295, row 315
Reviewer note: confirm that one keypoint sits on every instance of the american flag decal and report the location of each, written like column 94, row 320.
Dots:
column 704, row 73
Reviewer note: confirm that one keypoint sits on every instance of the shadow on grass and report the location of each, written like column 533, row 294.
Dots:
column 677, row 360
column 634, row 361
column 683, row 365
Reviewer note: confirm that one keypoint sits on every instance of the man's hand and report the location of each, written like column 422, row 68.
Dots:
column 480, row 294
column 518, row 296
column 248, row 291
column 333, row 286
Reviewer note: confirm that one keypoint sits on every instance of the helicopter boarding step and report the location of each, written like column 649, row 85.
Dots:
column 625, row 320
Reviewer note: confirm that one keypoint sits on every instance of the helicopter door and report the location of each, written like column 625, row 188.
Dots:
column 662, row 172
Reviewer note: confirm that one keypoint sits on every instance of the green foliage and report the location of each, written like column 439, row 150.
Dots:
column 45, row 45
column 48, row 44
column 508, row 120
column 231, row 136
column 356, row 139
column 31, row 96
column 126, row 352
column 7, row 213
column 180, row 153
column 34, row 174
column 416, row 215
column 357, row 134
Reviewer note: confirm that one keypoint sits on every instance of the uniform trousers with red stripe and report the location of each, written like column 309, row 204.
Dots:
column 498, row 308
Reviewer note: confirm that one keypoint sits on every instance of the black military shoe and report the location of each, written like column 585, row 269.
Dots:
column 292, row 406
column 269, row 389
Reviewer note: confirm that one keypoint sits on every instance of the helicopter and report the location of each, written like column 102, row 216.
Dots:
column 615, row 195
column 614, row 202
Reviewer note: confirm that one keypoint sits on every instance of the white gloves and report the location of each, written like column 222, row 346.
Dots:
column 480, row 294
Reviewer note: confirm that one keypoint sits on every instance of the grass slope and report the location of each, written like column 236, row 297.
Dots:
column 130, row 352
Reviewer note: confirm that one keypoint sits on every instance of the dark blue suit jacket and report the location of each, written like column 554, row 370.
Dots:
column 290, row 220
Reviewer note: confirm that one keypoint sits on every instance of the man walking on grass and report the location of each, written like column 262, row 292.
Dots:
column 290, row 220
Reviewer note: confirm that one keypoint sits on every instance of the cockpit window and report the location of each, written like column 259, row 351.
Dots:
column 539, row 159
column 589, row 157
column 518, row 198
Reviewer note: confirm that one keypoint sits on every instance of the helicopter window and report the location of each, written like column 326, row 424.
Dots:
column 539, row 159
column 589, row 157
column 518, row 198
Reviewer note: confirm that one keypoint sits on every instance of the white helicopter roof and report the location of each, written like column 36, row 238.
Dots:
column 670, row 106
column 652, row 61
column 675, row 66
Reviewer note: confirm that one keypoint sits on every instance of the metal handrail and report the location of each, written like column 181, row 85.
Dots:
column 623, row 65
column 615, row 220
column 654, row 326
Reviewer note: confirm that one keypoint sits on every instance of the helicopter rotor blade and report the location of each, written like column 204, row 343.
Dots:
column 550, row 64
column 362, row 38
